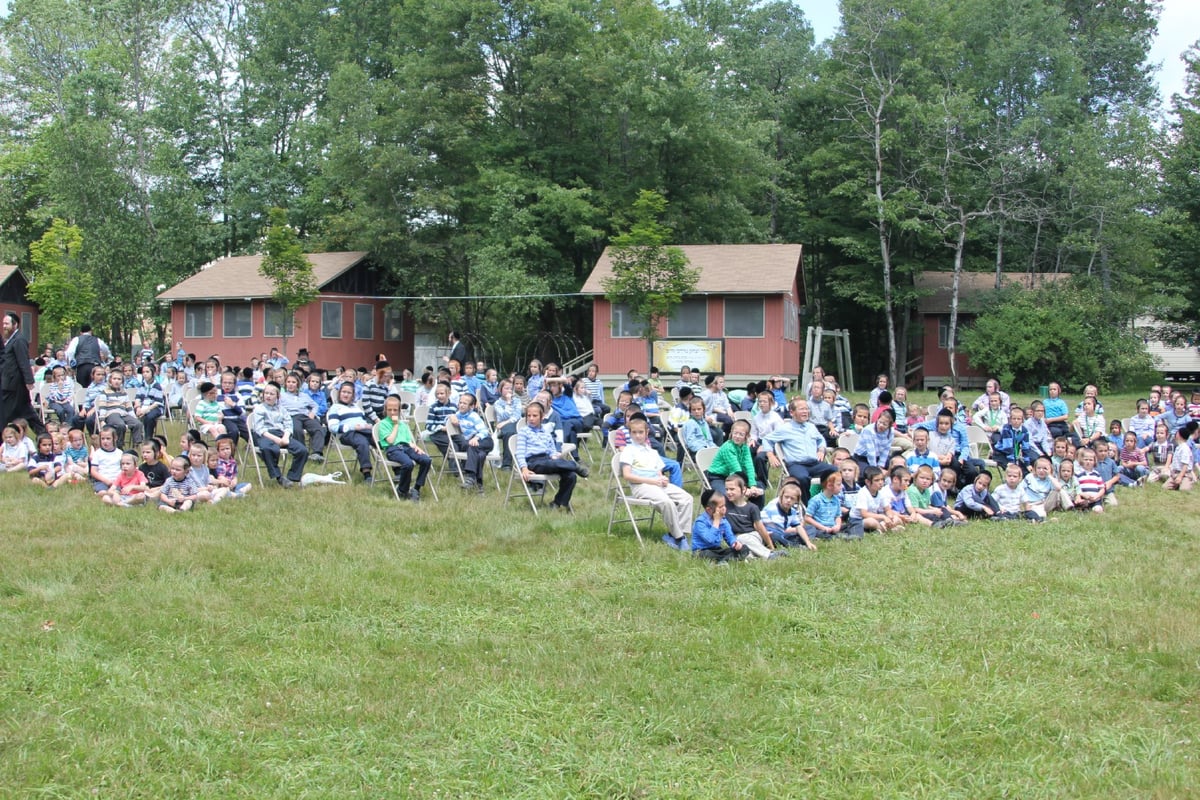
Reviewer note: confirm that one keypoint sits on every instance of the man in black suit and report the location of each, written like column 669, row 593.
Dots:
column 16, row 378
column 458, row 350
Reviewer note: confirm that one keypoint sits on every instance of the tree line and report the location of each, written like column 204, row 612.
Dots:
column 494, row 147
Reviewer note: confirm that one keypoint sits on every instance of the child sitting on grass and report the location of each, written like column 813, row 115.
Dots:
column 920, row 498
column 130, row 486
column 1159, row 454
column 900, row 510
column 712, row 538
column 1107, row 466
column 1091, row 482
column 14, row 456
column 784, row 516
column 46, row 466
column 180, row 490
column 871, row 506
column 975, row 501
column 1183, row 460
column 1134, row 466
column 105, row 461
column 1068, row 493
column 746, row 520
column 75, row 456
column 945, row 491
column 223, row 467
column 823, row 515
column 848, row 497
column 1041, row 492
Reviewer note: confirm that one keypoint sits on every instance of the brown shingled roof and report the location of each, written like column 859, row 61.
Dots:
column 973, row 288
column 238, row 277
column 6, row 272
column 727, row 268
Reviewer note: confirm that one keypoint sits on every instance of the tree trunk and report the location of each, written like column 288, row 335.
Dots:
column 885, row 246
column 959, row 245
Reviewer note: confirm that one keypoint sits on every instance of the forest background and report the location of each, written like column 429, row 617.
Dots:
column 478, row 148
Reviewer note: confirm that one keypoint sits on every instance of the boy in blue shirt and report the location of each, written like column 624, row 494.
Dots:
column 712, row 538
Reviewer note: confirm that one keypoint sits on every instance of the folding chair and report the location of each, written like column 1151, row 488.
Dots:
column 340, row 449
column 383, row 466
column 746, row 415
column 704, row 460
column 977, row 437
column 848, row 440
column 540, row 483
column 250, row 451
column 625, row 499
column 453, row 454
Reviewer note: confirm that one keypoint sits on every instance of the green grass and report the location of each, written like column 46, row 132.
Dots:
column 334, row 643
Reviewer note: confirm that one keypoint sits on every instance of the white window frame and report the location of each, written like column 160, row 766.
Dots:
column 274, row 309
column 391, row 315
column 370, row 321
column 702, row 333
column 620, row 312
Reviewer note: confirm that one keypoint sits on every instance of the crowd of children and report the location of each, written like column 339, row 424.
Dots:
column 902, row 467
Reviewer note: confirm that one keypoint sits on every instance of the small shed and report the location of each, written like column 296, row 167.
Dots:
column 933, row 318
column 226, row 309
column 743, row 318
column 14, row 288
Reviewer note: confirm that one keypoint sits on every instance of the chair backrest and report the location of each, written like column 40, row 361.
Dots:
column 848, row 440
column 420, row 416
column 746, row 415
column 705, row 457
column 977, row 436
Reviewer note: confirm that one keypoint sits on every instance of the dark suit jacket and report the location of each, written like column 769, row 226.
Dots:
column 15, row 374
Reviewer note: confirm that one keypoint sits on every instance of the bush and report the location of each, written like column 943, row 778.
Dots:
column 1071, row 332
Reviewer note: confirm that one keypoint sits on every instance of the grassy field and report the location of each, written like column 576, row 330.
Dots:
column 333, row 643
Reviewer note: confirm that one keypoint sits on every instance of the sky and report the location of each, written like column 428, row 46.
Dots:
column 1178, row 29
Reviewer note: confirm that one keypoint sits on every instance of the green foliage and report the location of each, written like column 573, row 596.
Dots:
column 648, row 277
column 288, row 269
column 60, row 285
column 1072, row 332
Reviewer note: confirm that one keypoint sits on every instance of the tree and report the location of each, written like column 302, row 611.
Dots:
column 288, row 270
column 648, row 277
column 1069, row 331
column 60, row 285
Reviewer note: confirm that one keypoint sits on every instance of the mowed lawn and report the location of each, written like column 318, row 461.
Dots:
column 334, row 643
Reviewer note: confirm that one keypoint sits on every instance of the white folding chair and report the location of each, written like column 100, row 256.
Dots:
column 848, row 440
column 977, row 438
column 704, row 460
column 250, row 451
column 624, row 499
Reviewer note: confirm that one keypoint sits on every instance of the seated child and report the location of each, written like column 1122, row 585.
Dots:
column 396, row 441
column 862, row 418
column 875, row 442
column 698, row 433
column 1116, row 433
column 871, row 506
column 1142, row 425
column 920, row 498
column 921, row 455
column 1107, row 466
column 642, row 468
column 46, row 466
column 1159, row 454
column 944, row 492
column 1183, row 465
column 1068, row 493
column 712, row 538
column 1132, row 461
column 734, row 457
column 975, row 501
column 180, row 490
column 75, row 456
column 471, row 436
column 207, row 491
column 1091, row 482
column 104, row 461
column 1010, row 445
column 1008, row 496
column 155, row 471
column 1041, row 492
column 129, row 488
column 746, row 520
column 850, row 488
column 223, row 467
column 900, row 509
column 823, row 516
column 15, row 454
column 783, row 517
